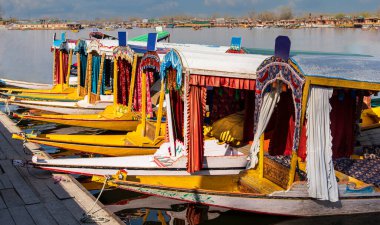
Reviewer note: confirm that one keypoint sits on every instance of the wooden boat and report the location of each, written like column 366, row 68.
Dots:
column 24, row 84
column 62, row 57
column 118, row 116
column 154, row 130
column 92, row 84
column 64, row 107
column 272, row 183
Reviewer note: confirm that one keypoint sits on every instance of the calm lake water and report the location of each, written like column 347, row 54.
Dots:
column 25, row 55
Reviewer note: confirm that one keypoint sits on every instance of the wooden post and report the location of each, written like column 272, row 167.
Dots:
column 88, row 66
column 143, row 103
column 100, row 79
column 169, row 120
column 89, row 78
column 54, row 78
column 160, row 108
column 69, row 68
column 132, row 84
column 115, row 81
column 61, row 70
column 261, row 156
column 293, row 164
column 78, row 73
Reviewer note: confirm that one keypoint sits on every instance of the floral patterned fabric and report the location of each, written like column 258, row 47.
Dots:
column 271, row 70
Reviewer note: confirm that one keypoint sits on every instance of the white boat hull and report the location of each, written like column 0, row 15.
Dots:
column 278, row 205
column 80, row 107
column 218, row 160
column 26, row 85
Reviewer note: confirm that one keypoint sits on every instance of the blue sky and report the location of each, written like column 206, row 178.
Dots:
column 91, row 9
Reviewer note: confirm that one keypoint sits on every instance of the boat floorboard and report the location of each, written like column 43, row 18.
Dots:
column 32, row 196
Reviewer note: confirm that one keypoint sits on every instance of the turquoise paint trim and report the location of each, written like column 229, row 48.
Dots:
column 368, row 189
column 172, row 59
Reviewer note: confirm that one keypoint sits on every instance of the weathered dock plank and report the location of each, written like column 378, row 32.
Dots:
column 21, row 216
column 11, row 198
column 60, row 213
column 5, row 182
column 40, row 215
column 22, row 188
column 31, row 196
column 5, row 217
column 2, row 203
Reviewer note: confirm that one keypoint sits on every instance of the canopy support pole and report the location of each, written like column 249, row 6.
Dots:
column 100, row 79
column 89, row 85
column 69, row 68
column 132, row 84
column 61, row 70
column 54, row 78
column 294, row 160
column 261, row 156
column 160, row 108
column 143, row 101
column 115, row 71
column 78, row 73
column 169, row 119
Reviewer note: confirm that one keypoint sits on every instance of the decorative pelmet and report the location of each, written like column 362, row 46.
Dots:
column 172, row 59
column 273, row 69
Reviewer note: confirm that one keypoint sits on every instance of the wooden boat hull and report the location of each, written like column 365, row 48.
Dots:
column 62, row 97
column 158, row 164
column 62, row 107
column 111, row 145
column 55, row 90
column 25, row 85
column 132, row 164
column 124, row 123
column 286, row 205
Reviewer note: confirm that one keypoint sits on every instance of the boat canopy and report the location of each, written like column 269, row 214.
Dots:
column 214, row 63
column 353, row 68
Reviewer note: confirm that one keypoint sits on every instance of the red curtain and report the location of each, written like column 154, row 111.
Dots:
column 57, row 69
column 342, row 124
column 177, row 105
column 197, row 101
column 65, row 64
column 248, row 116
column 213, row 81
column 283, row 125
column 124, row 78
column 225, row 102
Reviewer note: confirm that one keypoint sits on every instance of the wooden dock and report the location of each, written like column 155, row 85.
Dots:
column 32, row 196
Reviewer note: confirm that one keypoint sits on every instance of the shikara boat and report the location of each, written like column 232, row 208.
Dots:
column 94, row 72
column 149, row 135
column 62, row 58
column 119, row 116
column 304, row 107
column 24, row 84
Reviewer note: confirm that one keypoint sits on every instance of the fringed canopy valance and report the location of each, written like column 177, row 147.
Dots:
column 150, row 60
column 124, row 52
column 172, row 59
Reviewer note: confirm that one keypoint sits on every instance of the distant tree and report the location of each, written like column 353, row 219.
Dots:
column 340, row 16
column 1, row 13
column 252, row 14
column 215, row 15
column 134, row 18
column 266, row 16
column 285, row 13
column 365, row 14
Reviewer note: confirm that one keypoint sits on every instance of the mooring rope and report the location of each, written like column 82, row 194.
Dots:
column 89, row 217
